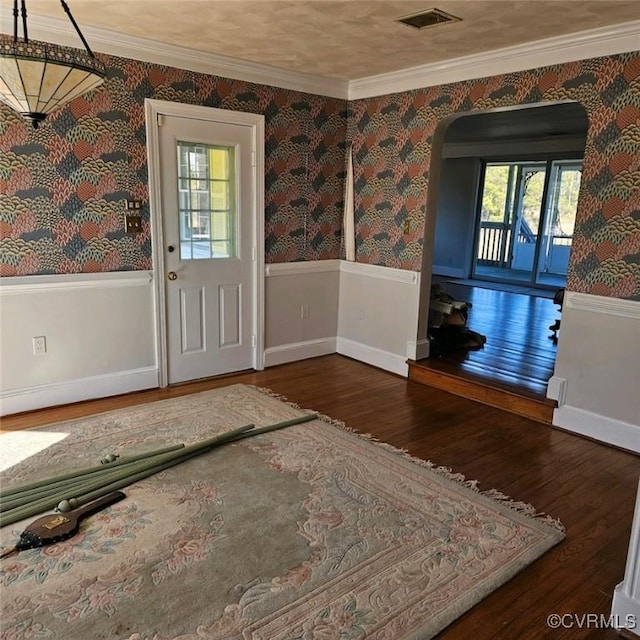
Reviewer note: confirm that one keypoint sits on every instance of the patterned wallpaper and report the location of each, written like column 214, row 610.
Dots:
column 392, row 138
column 63, row 186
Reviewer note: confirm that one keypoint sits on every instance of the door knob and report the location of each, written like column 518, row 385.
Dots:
column 172, row 275
column 171, row 248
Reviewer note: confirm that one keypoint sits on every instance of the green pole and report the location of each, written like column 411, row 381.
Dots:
column 5, row 493
column 95, row 486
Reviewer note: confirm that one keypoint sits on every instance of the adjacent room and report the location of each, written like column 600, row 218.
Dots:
column 506, row 208
column 319, row 319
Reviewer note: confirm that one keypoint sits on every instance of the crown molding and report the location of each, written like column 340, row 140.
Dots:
column 583, row 45
column 568, row 48
column 61, row 32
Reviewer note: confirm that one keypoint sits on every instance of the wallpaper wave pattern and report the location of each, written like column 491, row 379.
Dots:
column 392, row 140
column 62, row 188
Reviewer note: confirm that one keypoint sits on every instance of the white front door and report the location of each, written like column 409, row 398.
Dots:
column 208, row 199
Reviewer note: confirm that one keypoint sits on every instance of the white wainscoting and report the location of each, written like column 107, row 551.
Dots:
column 363, row 311
column 597, row 377
column 378, row 315
column 99, row 328
column 301, row 310
column 99, row 338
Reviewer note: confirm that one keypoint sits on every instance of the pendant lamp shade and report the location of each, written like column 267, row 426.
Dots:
column 37, row 77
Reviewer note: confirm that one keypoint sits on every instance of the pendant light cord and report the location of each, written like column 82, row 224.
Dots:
column 76, row 27
column 16, row 13
column 23, row 13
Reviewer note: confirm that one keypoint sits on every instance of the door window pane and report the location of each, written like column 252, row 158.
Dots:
column 206, row 200
column 562, row 205
column 494, row 234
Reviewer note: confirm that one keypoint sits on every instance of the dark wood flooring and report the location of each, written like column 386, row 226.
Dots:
column 590, row 487
column 519, row 353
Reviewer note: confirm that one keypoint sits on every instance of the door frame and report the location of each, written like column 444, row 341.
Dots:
column 154, row 109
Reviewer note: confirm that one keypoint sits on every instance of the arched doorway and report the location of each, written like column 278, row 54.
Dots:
column 518, row 142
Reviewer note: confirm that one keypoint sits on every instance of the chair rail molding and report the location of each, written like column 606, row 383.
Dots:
column 17, row 285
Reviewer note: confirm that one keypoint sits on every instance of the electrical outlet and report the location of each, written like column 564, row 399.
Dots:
column 361, row 313
column 39, row 345
column 304, row 311
column 132, row 224
column 407, row 227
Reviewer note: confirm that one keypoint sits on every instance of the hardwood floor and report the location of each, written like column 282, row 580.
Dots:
column 519, row 353
column 448, row 377
column 590, row 487
column 513, row 367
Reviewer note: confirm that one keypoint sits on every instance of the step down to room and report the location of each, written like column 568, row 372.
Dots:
column 448, row 377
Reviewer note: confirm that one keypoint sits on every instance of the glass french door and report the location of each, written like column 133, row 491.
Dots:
column 559, row 220
column 526, row 219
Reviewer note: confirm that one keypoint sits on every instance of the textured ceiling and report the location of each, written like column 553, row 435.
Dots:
column 346, row 39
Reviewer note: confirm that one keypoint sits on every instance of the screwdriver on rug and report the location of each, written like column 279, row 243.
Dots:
column 56, row 527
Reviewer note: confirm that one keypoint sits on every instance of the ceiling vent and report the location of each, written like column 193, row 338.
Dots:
column 429, row 18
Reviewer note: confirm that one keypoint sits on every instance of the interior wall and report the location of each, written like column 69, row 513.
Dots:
column 598, row 357
column 63, row 186
column 101, row 342
column 377, row 315
column 301, row 310
column 99, row 333
column 455, row 220
column 596, row 377
column 392, row 138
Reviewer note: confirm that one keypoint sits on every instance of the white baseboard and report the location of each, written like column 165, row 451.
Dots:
column 376, row 357
column 557, row 389
column 417, row 349
column 625, row 611
column 57, row 393
column 614, row 432
column 298, row 351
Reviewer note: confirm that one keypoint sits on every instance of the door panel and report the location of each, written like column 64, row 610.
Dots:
column 192, row 319
column 230, row 315
column 208, row 196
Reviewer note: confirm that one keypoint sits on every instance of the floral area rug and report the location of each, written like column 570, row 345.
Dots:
column 308, row 532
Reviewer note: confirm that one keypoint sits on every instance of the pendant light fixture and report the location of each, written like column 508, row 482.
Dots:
column 38, row 77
